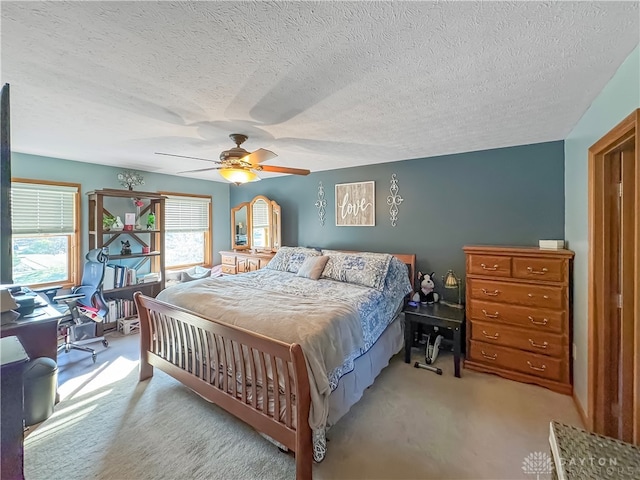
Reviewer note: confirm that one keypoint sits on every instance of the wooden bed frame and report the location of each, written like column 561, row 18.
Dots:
column 177, row 342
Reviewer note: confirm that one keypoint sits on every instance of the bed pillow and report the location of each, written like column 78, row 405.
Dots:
column 289, row 259
column 312, row 267
column 360, row 268
column 195, row 273
column 280, row 260
column 299, row 255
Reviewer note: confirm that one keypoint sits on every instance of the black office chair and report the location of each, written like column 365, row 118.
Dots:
column 85, row 305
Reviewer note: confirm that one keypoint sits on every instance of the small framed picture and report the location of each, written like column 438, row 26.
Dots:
column 129, row 221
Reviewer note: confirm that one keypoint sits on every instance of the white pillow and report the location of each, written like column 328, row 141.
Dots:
column 312, row 267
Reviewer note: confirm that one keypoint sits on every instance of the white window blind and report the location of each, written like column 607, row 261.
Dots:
column 186, row 214
column 37, row 208
column 260, row 214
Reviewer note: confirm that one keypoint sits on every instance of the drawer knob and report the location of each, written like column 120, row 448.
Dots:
column 484, row 267
column 492, row 337
column 491, row 294
column 488, row 315
column 538, row 345
column 537, row 272
column 538, row 369
column 489, row 357
column 543, row 322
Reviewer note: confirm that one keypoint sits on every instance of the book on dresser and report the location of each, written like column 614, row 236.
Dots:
column 518, row 312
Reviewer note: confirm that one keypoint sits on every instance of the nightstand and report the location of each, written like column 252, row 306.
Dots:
column 436, row 315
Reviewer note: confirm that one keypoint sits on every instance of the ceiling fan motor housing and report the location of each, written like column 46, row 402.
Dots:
column 233, row 154
column 237, row 152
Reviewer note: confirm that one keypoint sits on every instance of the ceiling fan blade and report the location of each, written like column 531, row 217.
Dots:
column 200, row 170
column 184, row 156
column 276, row 169
column 259, row 156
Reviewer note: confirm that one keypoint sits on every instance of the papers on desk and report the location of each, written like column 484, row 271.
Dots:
column 8, row 317
column 7, row 302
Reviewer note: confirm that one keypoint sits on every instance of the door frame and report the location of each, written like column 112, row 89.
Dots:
column 599, row 233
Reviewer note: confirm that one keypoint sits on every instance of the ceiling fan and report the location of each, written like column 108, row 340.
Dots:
column 239, row 166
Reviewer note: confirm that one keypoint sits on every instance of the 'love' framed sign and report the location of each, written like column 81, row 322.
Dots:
column 355, row 204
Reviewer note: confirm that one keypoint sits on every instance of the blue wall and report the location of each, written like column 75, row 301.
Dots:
column 506, row 196
column 617, row 100
column 96, row 177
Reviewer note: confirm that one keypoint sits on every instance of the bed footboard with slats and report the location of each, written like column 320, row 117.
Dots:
column 262, row 381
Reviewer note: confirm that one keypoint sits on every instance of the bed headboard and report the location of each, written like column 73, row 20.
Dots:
column 409, row 259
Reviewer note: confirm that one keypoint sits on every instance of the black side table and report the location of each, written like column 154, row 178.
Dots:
column 436, row 315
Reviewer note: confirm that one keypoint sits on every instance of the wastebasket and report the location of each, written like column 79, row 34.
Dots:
column 40, row 384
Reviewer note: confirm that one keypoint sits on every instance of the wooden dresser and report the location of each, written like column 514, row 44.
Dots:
column 519, row 314
column 244, row 261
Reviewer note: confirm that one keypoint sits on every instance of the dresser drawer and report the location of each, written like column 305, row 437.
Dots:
column 533, row 341
column 229, row 269
column 535, row 319
column 536, row 269
column 228, row 259
column 518, row 293
column 494, row 266
column 509, row 358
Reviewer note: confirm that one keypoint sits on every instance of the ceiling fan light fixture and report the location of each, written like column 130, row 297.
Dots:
column 238, row 175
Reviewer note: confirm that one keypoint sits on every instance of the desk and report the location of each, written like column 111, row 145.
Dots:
column 37, row 332
column 435, row 315
column 14, row 359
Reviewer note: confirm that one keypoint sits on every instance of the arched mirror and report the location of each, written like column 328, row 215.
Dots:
column 240, row 226
column 256, row 225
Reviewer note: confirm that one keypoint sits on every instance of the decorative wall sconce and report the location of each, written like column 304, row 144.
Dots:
column 321, row 204
column 394, row 200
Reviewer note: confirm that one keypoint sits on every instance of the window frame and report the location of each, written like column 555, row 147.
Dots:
column 73, row 260
column 208, row 234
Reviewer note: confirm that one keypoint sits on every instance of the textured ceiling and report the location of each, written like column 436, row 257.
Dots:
column 324, row 85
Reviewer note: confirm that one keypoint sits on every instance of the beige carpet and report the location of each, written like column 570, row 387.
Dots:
column 411, row 424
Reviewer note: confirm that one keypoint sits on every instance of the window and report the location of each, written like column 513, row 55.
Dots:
column 45, row 232
column 187, row 230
